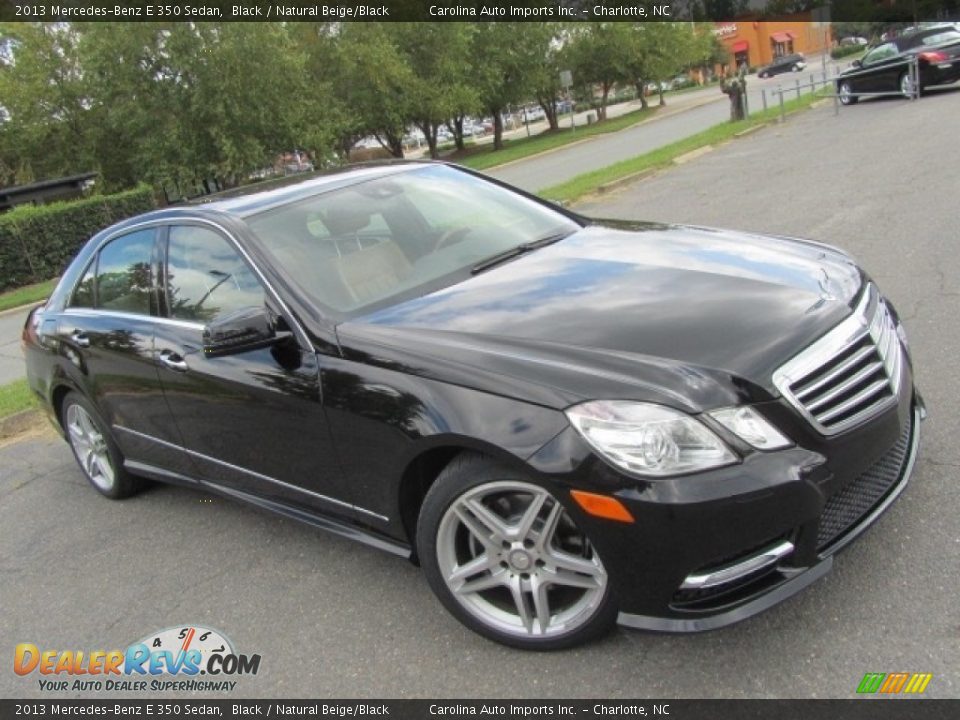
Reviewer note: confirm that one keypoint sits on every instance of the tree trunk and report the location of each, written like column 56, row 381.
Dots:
column 391, row 143
column 457, row 129
column 549, row 106
column 660, row 90
column 602, row 110
column 641, row 88
column 497, row 129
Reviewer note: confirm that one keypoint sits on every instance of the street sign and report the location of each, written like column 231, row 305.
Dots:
column 566, row 78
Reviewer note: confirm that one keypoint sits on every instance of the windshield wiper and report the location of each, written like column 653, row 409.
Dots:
column 521, row 249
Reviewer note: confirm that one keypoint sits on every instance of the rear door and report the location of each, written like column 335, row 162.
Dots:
column 884, row 65
column 252, row 421
column 106, row 335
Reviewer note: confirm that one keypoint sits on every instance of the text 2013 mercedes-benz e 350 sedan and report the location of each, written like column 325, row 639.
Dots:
column 566, row 422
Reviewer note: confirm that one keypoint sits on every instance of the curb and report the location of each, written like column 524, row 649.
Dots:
column 19, row 309
column 625, row 180
column 19, row 422
column 692, row 155
column 750, row 130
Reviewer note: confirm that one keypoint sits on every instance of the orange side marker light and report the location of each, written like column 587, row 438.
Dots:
column 602, row 506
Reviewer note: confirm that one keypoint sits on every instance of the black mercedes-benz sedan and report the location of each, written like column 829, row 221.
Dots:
column 887, row 68
column 565, row 422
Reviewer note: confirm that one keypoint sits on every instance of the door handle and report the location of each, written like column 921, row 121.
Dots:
column 173, row 361
column 80, row 339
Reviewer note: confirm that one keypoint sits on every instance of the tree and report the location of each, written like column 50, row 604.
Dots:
column 45, row 128
column 600, row 52
column 500, row 61
column 438, row 57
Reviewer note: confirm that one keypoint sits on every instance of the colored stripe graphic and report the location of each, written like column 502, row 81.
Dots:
column 893, row 683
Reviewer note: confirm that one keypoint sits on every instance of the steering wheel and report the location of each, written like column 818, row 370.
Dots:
column 448, row 236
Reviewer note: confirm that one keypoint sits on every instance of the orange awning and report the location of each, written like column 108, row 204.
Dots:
column 782, row 37
column 740, row 46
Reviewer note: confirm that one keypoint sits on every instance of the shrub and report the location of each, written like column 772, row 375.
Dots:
column 845, row 50
column 37, row 242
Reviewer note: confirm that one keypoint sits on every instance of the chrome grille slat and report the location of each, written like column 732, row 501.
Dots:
column 839, row 370
column 854, row 401
column 850, row 374
column 848, row 384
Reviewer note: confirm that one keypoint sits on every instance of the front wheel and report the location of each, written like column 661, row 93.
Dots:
column 97, row 455
column 506, row 559
column 795, row 68
column 846, row 94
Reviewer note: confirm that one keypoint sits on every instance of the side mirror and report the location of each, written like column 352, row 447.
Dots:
column 246, row 329
column 856, row 63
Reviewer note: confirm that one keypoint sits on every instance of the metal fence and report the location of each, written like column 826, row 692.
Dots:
column 781, row 94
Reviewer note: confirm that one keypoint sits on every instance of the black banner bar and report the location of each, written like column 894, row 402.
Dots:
column 913, row 11
column 855, row 709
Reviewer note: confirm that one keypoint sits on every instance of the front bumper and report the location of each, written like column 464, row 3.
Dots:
column 793, row 579
column 699, row 555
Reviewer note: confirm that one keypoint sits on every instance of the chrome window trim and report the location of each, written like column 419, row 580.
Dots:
column 93, row 312
column 231, row 238
column 854, row 328
column 252, row 473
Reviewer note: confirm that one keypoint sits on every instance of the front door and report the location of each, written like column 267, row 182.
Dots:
column 252, row 421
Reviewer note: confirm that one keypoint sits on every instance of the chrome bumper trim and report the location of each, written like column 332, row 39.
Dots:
column 730, row 573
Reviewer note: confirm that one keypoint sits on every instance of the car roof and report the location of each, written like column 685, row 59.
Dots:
column 251, row 199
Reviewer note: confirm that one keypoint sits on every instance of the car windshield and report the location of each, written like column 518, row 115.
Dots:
column 402, row 235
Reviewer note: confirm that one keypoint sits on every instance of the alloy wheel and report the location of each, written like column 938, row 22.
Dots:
column 906, row 86
column 90, row 447
column 514, row 559
column 846, row 94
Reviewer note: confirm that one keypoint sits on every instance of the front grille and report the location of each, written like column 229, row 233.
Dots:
column 850, row 374
column 846, row 508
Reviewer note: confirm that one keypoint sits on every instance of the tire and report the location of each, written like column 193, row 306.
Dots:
column 905, row 83
column 764, row 75
column 93, row 447
column 536, row 581
column 795, row 68
column 846, row 94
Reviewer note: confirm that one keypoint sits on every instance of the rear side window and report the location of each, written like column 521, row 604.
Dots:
column 206, row 277
column 124, row 277
column 83, row 294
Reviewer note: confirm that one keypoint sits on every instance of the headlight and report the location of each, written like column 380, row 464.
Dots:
column 749, row 425
column 648, row 439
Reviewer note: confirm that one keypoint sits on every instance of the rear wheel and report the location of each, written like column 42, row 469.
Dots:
column 846, row 94
column 907, row 86
column 508, row 561
column 97, row 455
column 795, row 68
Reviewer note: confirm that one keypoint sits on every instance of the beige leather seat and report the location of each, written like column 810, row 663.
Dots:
column 372, row 272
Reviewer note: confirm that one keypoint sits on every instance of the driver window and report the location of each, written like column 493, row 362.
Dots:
column 206, row 277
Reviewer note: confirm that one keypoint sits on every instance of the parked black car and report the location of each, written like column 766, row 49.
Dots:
column 886, row 68
column 567, row 422
column 785, row 63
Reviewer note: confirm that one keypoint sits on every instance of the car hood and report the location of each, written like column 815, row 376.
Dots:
column 693, row 317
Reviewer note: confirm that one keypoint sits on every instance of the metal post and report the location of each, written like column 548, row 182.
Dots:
column 915, row 63
column 783, row 113
column 836, row 103
column 746, row 103
column 763, row 94
column 813, row 83
column 797, row 81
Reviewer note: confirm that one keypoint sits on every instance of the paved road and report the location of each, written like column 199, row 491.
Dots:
column 539, row 172
column 331, row 618
column 11, row 358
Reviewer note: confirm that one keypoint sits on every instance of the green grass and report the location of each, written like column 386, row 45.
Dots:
column 14, row 397
column 589, row 182
column 27, row 294
column 484, row 156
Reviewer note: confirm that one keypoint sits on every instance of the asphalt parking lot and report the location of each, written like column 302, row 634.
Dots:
column 332, row 618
